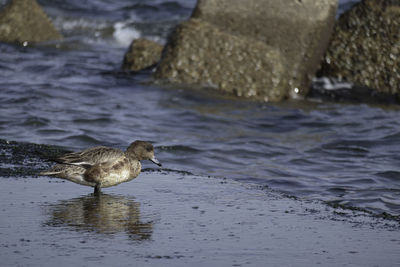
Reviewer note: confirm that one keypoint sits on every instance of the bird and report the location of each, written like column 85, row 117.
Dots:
column 102, row 166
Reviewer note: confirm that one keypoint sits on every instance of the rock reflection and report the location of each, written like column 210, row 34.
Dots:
column 106, row 214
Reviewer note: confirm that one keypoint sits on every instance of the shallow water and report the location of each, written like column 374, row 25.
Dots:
column 173, row 219
column 73, row 94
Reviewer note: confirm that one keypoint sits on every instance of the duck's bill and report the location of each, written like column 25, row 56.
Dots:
column 155, row 161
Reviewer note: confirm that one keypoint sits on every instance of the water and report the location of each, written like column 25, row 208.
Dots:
column 73, row 94
column 170, row 219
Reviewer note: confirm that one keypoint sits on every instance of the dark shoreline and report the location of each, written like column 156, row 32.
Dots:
column 28, row 159
column 174, row 219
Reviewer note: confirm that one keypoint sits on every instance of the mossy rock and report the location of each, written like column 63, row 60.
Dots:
column 24, row 21
column 263, row 49
column 142, row 54
column 365, row 47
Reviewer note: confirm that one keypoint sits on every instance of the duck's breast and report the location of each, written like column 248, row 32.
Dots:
column 125, row 172
column 112, row 173
column 116, row 177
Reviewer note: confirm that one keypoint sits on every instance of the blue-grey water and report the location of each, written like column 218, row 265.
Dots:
column 74, row 94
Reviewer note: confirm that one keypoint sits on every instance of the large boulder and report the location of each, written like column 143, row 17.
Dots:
column 365, row 48
column 25, row 21
column 142, row 54
column 260, row 48
column 200, row 53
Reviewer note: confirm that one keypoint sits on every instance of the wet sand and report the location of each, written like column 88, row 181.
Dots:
column 174, row 219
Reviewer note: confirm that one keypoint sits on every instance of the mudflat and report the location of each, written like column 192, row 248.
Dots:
column 171, row 218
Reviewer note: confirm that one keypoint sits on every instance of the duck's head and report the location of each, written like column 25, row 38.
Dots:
column 142, row 150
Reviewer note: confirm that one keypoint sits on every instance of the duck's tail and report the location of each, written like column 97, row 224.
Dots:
column 61, row 169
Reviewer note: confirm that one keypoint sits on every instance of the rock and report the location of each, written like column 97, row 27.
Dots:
column 142, row 54
column 288, row 38
column 24, row 21
column 365, row 48
column 200, row 53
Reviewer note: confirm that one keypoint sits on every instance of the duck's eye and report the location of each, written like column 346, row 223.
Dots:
column 149, row 149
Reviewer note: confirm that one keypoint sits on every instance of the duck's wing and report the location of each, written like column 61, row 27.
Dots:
column 113, row 171
column 91, row 156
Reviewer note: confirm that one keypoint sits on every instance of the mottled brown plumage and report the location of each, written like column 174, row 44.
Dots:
column 103, row 166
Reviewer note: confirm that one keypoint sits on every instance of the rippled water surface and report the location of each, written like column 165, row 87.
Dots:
column 74, row 94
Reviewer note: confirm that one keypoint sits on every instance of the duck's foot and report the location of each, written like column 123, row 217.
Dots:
column 97, row 189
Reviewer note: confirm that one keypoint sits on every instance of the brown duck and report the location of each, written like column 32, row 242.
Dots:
column 103, row 166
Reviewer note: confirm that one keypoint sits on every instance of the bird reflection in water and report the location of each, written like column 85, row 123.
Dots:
column 103, row 213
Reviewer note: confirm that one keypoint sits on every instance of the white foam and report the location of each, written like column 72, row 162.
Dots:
column 72, row 24
column 331, row 83
column 124, row 34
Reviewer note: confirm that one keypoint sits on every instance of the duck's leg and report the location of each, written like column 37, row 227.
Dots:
column 97, row 189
